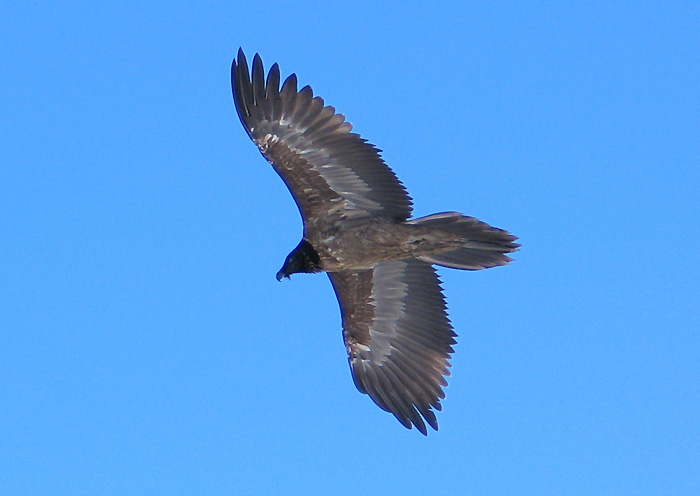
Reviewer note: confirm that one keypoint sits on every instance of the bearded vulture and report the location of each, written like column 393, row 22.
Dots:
column 357, row 229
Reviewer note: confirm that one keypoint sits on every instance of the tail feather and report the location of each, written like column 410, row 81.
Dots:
column 481, row 245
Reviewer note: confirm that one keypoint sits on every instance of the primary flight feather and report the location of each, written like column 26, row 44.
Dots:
column 357, row 229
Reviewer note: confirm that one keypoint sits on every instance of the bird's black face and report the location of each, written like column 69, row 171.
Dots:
column 303, row 258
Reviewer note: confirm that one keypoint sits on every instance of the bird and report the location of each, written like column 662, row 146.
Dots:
column 357, row 227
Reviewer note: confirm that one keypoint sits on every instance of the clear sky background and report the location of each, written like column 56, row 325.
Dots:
column 146, row 347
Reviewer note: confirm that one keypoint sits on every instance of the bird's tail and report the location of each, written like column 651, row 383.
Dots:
column 481, row 246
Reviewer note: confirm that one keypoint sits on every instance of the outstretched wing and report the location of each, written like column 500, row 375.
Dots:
column 331, row 172
column 397, row 336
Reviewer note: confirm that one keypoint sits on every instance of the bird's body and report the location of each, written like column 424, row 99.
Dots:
column 364, row 245
column 357, row 228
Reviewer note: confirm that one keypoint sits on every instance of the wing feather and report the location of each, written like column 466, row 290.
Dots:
column 273, row 92
column 327, row 168
column 398, row 337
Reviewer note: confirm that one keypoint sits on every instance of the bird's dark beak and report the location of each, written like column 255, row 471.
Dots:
column 282, row 274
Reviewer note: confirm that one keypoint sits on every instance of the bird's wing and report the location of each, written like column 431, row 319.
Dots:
column 332, row 173
column 397, row 336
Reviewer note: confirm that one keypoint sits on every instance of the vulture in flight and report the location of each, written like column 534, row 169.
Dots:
column 357, row 229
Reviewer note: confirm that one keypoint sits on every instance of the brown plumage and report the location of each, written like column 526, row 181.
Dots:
column 357, row 229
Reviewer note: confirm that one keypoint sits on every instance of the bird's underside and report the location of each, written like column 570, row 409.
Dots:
column 449, row 239
column 357, row 229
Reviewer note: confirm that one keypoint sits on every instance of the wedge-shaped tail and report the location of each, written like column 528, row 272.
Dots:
column 481, row 245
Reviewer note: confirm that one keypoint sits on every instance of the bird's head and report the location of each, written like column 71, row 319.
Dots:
column 304, row 258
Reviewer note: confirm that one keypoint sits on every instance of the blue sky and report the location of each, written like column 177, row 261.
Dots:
column 146, row 347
